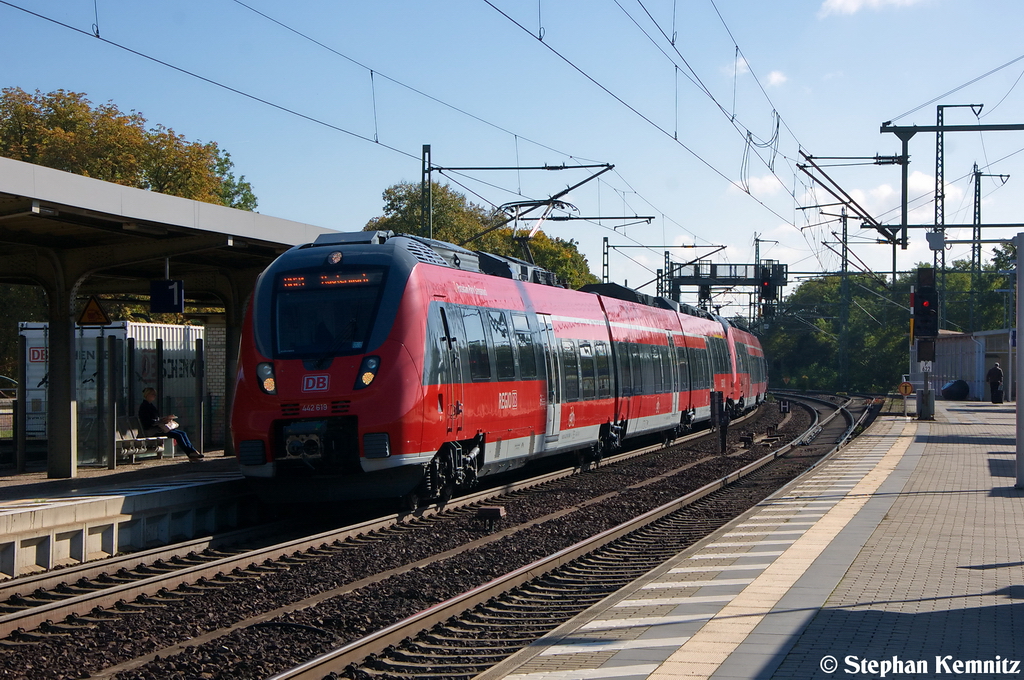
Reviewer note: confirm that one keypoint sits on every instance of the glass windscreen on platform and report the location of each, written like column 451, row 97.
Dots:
column 112, row 366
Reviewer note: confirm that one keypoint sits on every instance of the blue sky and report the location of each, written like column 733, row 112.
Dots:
column 682, row 96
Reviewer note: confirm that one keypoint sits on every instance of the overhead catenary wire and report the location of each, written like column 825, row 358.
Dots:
column 746, row 134
column 955, row 89
column 280, row 107
column 401, row 84
column 516, row 136
column 374, row 138
column 632, row 108
column 211, row 81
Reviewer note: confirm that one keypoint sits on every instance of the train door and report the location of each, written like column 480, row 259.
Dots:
column 553, row 415
column 672, row 373
column 453, row 384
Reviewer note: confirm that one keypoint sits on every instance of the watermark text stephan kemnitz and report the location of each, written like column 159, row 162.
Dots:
column 939, row 665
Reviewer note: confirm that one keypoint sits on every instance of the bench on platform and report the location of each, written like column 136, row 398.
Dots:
column 130, row 443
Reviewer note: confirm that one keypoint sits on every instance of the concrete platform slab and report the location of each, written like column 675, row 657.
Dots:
column 904, row 550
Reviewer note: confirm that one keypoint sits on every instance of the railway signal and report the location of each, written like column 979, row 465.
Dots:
column 767, row 288
column 926, row 313
column 925, row 305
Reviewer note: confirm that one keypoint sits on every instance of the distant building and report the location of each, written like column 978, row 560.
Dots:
column 967, row 357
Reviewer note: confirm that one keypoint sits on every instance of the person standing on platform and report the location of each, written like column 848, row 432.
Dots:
column 154, row 425
column 995, row 381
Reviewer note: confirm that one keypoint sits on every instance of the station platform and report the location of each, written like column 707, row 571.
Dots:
column 899, row 556
column 46, row 523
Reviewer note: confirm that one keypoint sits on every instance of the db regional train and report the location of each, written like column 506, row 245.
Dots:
column 375, row 366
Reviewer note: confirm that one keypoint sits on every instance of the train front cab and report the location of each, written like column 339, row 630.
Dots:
column 323, row 409
column 748, row 381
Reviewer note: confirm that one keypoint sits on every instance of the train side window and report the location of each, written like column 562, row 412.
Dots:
column 434, row 364
column 570, row 371
column 504, row 362
column 656, row 369
column 625, row 374
column 742, row 360
column 699, row 363
column 604, row 374
column 587, row 370
column 476, row 343
column 647, row 368
column 527, row 348
column 721, row 355
column 635, row 358
column 668, row 356
column 684, row 370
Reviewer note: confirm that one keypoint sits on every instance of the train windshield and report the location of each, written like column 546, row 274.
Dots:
column 318, row 314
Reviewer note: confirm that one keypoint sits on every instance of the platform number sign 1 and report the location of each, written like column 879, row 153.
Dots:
column 166, row 296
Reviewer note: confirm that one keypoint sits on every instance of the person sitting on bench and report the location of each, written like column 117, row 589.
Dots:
column 153, row 424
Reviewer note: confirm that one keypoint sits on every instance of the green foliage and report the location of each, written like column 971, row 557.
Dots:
column 456, row 220
column 63, row 130
column 20, row 303
column 803, row 340
column 234, row 193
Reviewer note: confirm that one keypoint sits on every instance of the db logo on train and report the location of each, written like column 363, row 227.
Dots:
column 315, row 383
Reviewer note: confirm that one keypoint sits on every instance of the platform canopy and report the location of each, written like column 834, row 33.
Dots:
column 76, row 236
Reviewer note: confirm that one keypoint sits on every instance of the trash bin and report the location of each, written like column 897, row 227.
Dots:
column 956, row 390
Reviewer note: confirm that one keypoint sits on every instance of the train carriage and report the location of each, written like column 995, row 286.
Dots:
column 377, row 366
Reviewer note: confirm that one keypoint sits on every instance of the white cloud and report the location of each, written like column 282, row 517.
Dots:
column 776, row 78
column 738, row 68
column 766, row 185
column 854, row 6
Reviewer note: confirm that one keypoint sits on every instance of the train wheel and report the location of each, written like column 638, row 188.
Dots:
column 411, row 502
column 581, row 460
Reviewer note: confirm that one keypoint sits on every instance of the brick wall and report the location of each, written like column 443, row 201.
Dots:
column 215, row 345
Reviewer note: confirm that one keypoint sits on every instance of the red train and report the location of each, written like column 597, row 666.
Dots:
column 374, row 366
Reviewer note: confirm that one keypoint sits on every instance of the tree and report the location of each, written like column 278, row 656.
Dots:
column 804, row 335
column 803, row 339
column 63, row 130
column 20, row 303
column 456, row 220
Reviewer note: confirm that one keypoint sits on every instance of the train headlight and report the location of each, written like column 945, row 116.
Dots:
column 367, row 372
column 265, row 376
column 334, row 258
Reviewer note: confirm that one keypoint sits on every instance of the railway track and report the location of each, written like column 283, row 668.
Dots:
column 469, row 634
column 224, row 573
column 28, row 602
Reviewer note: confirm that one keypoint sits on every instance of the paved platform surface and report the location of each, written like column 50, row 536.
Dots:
column 34, row 484
column 46, row 523
column 900, row 557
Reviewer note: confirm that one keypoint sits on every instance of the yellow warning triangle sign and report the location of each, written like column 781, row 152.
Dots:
column 93, row 314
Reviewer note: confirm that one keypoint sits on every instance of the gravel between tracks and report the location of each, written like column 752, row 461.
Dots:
column 258, row 652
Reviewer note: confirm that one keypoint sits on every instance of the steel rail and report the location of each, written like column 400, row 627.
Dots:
column 354, row 652
column 56, row 610
column 90, row 570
